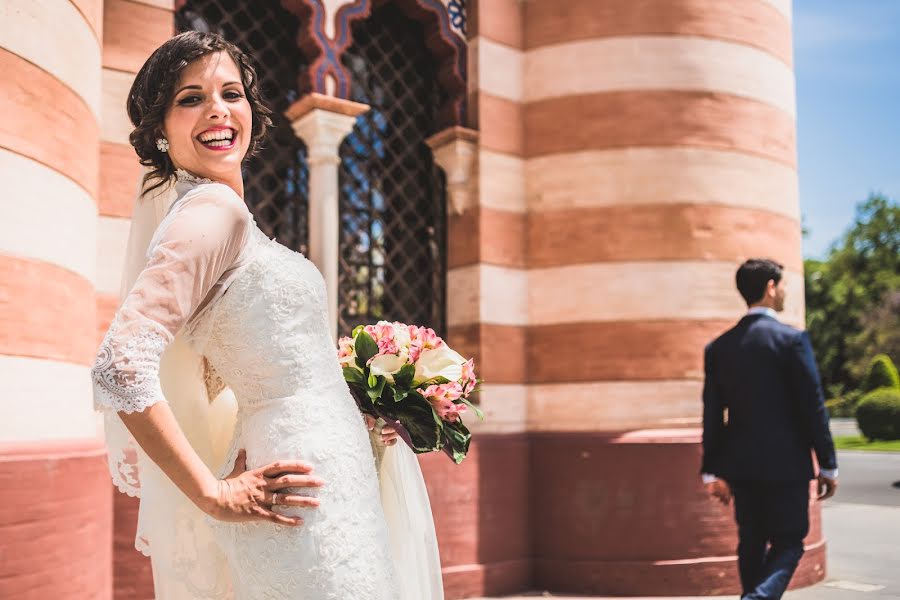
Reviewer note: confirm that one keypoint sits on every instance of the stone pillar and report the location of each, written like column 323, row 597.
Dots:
column 55, row 505
column 323, row 122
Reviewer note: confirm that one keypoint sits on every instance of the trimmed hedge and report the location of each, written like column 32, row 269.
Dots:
column 882, row 373
column 878, row 414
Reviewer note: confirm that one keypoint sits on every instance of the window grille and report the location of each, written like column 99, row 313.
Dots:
column 392, row 195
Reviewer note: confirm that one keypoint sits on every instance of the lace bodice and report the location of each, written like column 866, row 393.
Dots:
column 268, row 336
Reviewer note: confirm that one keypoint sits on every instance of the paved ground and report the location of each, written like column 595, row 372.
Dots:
column 842, row 427
column 862, row 526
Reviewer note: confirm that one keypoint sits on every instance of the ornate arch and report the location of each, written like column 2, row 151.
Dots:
column 325, row 55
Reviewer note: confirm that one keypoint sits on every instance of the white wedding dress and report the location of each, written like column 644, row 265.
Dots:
column 257, row 313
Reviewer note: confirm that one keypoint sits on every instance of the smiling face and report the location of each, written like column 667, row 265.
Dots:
column 209, row 123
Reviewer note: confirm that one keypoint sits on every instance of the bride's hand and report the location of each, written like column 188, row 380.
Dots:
column 389, row 435
column 250, row 495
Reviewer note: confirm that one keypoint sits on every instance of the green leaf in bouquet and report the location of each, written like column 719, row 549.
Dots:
column 376, row 388
column 404, row 377
column 366, row 348
column 400, row 394
column 355, row 376
column 423, row 401
column 457, row 438
column 356, row 330
column 418, row 420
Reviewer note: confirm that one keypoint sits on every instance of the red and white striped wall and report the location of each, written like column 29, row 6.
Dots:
column 70, row 181
column 55, row 506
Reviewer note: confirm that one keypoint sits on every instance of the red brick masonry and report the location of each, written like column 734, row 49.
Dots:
column 55, row 521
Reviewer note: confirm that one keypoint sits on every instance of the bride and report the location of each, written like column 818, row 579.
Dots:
column 224, row 403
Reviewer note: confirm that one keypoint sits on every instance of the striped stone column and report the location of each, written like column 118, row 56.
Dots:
column 659, row 144
column 55, row 507
column 133, row 29
column 482, row 507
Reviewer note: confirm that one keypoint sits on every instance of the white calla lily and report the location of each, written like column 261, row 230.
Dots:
column 438, row 362
column 386, row 365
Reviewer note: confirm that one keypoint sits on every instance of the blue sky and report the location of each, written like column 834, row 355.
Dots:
column 847, row 61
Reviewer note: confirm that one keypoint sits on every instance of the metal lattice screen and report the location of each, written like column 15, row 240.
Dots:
column 276, row 181
column 392, row 195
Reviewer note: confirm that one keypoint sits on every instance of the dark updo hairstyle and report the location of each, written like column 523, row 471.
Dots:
column 754, row 275
column 154, row 87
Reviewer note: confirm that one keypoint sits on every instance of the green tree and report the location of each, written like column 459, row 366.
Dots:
column 880, row 331
column 847, row 293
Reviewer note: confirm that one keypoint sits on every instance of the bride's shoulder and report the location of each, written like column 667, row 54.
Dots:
column 215, row 197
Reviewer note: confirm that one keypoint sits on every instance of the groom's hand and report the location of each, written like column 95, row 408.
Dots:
column 719, row 490
column 826, row 487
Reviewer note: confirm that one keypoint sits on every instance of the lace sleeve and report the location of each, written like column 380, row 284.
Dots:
column 196, row 245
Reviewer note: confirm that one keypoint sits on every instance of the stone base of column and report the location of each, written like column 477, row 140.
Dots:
column 648, row 578
column 625, row 514
column 55, row 521
column 482, row 513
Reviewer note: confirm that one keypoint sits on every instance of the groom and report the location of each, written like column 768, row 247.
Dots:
column 763, row 413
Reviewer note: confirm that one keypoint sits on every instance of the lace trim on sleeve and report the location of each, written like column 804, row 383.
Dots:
column 122, row 456
column 126, row 371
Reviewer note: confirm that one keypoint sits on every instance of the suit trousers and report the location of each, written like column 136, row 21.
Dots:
column 772, row 520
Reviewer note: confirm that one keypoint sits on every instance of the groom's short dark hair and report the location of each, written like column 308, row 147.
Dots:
column 754, row 274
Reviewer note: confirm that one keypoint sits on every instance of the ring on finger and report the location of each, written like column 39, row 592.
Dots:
column 274, row 499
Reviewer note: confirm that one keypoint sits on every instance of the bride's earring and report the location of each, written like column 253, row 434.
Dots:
column 162, row 144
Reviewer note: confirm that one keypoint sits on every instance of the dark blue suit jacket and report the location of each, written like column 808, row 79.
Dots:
column 763, row 407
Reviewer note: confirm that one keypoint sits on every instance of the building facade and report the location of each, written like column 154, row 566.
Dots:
column 563, row 188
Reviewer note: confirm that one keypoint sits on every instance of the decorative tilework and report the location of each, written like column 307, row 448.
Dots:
column 456, row 11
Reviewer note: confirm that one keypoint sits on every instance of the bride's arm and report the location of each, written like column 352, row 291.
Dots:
column 159, row 435
column 195, row 246
column 244, row 495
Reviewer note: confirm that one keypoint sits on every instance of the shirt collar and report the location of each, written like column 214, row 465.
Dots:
column 763, row 310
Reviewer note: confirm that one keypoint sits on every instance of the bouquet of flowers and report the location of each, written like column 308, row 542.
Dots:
column 408, row 376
